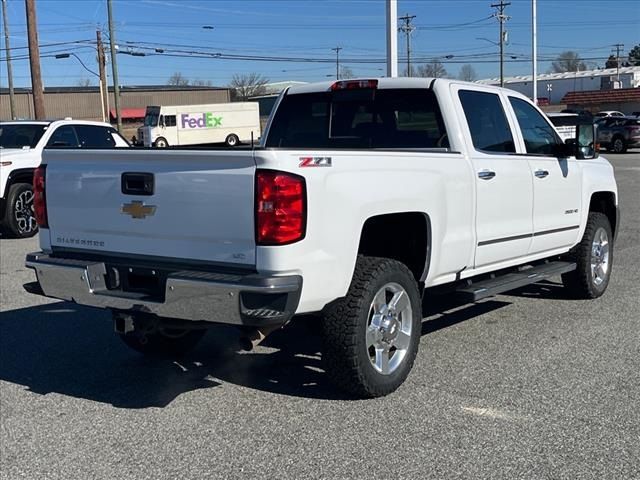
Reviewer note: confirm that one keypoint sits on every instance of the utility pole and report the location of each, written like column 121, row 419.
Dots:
column 618, row 47
column 114, row 67
column 502, row 18
column 12, row 102
column 34, row 60
column 337, row 50
column 104, row 88
column 408, row 29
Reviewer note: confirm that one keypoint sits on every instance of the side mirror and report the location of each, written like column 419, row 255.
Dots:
column 162, row 121
column 585, row 142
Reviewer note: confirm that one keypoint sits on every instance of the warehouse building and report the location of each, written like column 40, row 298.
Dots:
column 84, row 102
column 553, row 87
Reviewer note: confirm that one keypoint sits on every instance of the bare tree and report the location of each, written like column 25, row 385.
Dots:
column 248, row 85
column 178, row 80
column 414, row 73
column 434, row 69
column 346, row 72
column 83, row 82
column 568, row 62
column 467, row 73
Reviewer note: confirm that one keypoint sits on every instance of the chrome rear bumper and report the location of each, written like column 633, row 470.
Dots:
column 238, row 299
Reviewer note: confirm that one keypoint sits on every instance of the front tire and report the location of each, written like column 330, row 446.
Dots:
column 161, row 142
column 594, row 259
column 372, row 335
column 20, row 220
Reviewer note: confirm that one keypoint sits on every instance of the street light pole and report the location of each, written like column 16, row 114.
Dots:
column 67, row 55
column 392, row 38
column 534, row 53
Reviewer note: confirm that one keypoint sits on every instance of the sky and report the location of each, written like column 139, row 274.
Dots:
column 211, row 40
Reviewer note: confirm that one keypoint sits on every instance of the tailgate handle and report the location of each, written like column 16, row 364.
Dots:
column 137, row 183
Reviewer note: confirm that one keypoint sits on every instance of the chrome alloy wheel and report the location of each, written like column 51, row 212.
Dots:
column 600, row 257
column 389, row 328
column 24, row 214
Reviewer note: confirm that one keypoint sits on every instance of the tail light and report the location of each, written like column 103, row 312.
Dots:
column 281, row 207
column 354, row 84
column 40, row 197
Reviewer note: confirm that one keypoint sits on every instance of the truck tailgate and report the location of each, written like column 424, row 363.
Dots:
column 201, row 207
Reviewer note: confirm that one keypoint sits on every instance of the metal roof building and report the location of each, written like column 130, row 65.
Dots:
column 84, row 102
column 554, row 86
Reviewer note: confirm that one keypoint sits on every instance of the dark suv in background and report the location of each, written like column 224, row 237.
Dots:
column 617, row 134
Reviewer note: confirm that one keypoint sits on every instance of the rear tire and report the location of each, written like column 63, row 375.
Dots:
column 232, row 140
column 594, row 259
column 619, row 145
column 164, row 343
column 20, row 220
column 371, row 336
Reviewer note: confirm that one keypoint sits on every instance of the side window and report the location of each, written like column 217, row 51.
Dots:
column 64, row 137
column 94, row 136
column 487, row 121
column 539, row 137
column 169, row 120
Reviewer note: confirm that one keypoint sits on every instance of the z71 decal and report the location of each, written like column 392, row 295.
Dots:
column 315, row 162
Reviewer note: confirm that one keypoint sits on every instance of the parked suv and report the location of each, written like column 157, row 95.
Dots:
column 21, row 144
column 619, row 135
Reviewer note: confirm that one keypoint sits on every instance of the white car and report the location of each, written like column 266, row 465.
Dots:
column 21, row 146
column 609, row 113
column 565, row 124
column 363, row 195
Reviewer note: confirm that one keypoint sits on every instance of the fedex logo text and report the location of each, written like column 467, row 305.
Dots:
column 200, row 120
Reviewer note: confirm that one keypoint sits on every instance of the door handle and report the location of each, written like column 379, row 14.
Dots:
column 486, row 174
column 541, row 173
column 137, row 183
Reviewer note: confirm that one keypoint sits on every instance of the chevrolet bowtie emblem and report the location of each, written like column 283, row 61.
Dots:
column 138, row 209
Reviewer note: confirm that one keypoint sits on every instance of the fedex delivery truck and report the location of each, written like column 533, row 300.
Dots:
column 231, row 123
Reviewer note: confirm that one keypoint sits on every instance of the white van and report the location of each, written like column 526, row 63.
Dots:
column 231, row 123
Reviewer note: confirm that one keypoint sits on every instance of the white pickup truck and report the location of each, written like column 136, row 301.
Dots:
column 363, row 194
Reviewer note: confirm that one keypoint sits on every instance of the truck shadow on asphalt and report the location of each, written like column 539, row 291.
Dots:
column 70, row 350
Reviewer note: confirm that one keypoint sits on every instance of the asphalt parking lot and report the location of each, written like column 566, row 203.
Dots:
column 526, row 385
